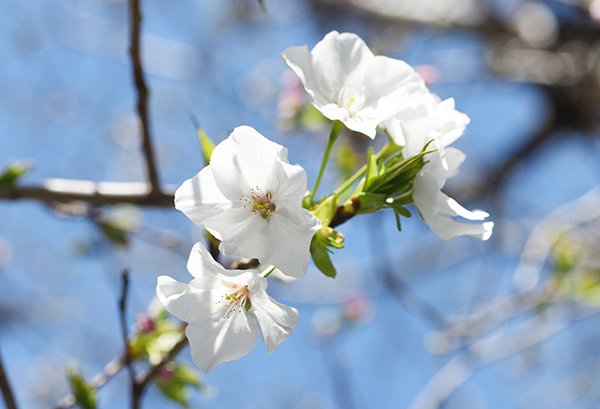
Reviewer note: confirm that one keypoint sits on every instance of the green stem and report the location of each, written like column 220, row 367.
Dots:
column 385, row 152
column 333, row 135
column 267, row 271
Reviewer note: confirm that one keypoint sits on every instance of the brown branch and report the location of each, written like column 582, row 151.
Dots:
column 144, row 379
column 7, row 392
column 135, row 53
column 116, row 365
column 55, row 191
column 135, row 402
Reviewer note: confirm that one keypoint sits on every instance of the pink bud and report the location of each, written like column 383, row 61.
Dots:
column 166, row 374
column 357, row 307
column 145, row 323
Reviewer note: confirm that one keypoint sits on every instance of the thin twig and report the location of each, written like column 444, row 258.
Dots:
column 145, row 378
column 108, row 372
column 125, row 334
column 116, row 365
column 486, row 352
column 135, row 53
column 55, row 191
column 7, row 392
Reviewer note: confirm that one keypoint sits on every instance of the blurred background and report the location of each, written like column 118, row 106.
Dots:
column 411, row 321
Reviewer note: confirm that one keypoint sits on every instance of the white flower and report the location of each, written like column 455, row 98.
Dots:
column 225, row 310
column 348, row 83
column 440, row 123
column 250, row 198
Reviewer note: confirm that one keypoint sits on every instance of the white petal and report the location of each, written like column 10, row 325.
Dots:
column 201, row 263
column 454, row 158
column 275, row 320
column 199, row 197
column 183, row 301
column 366, row 124
column 426, row 194
column 450, row 122
column 287, row 185
column 390, row 85
column 447, row 228
column 230, row 338
column 244, row 233
column 243, row 161
column 300, row 61
column 290, row 236
column 339, row 61
column 454, row 208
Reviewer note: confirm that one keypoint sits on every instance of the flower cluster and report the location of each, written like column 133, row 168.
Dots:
column 257, row 205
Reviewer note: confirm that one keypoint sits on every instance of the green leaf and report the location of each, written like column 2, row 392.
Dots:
column 320, row 255
column 85, row 395
column 326, row 210
column 187, row 376
column 320, row 252
column 115, row 234
column 176, row 381
column 398, row 223
column 399, row 173
column 174, row 391
column 12, row 173
column 206, row 143
column 371, row 172
column 370, row 202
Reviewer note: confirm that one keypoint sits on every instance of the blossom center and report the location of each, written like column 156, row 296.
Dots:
column 260, row 203
column 352, row 98
column 237, row 301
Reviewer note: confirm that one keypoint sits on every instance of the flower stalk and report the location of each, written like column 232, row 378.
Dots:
column 333, row 135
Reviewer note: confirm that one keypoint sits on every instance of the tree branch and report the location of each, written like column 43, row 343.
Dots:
column 486, row 352
column 135, row 402
column 143, row 380
column 7, row 392
column 55, row 191
column 135, row 53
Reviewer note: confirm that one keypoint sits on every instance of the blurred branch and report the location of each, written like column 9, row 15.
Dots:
column 537, row 249
column 110, row 370
column 483, row 353
column 116, row 365
column 7, row 392
column 144, row 379
column 135, row 53
column 529, row 297
column 135, row 401
column 94, row 193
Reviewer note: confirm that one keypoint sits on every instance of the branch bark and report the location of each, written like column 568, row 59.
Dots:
column 5, row 387
column 55, row 191
column 135, row 396
column 135, row 53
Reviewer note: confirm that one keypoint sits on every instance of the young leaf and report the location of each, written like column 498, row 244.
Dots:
column 371, row 172
column 206, row 143
column 113, row 233
column 12, row 173
column 175, row 391
column 321, row 258
column 175, row 380
column 326, row 210
column 85, row 395
column 370, row 202
column 319, row 249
